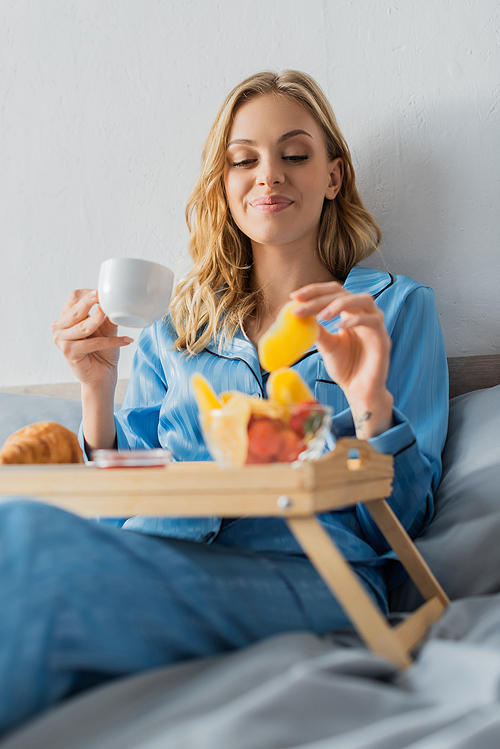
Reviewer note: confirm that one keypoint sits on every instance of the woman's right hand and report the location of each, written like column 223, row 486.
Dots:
column 89, row 342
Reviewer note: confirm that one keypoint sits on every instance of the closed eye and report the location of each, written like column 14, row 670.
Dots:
column 249, row 162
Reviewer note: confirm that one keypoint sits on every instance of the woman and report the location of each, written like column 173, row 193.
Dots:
column 275, row 214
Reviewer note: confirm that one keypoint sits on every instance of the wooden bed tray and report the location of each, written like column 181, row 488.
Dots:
column 353, row 472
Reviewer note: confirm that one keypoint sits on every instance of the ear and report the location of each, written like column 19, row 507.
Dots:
column 336, row 173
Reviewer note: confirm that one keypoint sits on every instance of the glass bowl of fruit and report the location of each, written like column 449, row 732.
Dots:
column 241, row 430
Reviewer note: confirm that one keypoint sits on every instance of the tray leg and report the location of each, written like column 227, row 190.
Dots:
column 408, row 554
column 414, row 629
column 349, row 592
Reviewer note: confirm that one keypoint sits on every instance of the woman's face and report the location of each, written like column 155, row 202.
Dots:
column 277, row 172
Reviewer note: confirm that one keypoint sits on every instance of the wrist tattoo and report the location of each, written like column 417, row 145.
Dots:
column 358, row 423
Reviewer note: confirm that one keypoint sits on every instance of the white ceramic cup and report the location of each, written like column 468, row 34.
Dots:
column 134, row 292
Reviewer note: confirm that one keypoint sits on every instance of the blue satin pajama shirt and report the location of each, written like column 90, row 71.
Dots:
column 159, row 411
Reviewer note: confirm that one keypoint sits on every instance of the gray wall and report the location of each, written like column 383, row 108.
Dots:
column 104, row 107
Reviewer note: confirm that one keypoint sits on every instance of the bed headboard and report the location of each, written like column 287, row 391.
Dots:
column 466, row 373
column 473, row 373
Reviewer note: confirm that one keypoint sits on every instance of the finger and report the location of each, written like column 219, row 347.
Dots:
column 77, row 312
column 326, row 340
column 326, row 307
column 75, row 297
column 83, row 329
column 353, row 303
column 313, row 290
column 316, row 305
column 100, row 344
column 76, row 350
column 366, row 320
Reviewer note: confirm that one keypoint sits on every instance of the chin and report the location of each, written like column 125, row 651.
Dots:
column 272, row 241
column 276, row 237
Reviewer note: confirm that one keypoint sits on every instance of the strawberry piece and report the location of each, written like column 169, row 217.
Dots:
column 291, row 446
column 264, row 438
column 256, row 459
column 305, row 419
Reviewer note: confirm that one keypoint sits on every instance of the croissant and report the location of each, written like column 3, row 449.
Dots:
column 44, row 442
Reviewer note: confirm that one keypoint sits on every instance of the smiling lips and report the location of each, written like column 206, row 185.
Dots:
column 271, row 204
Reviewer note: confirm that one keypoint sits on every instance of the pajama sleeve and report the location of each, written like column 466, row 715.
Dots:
column 418, row 381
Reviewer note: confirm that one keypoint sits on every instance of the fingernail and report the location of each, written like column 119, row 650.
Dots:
column 127, row 339
column 299, row 310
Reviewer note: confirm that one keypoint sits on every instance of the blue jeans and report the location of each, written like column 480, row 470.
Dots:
column 84, row 602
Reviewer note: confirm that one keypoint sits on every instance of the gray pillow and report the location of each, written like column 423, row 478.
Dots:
column 18, row 410
column 462, row 543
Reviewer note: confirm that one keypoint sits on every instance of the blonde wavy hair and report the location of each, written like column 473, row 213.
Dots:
column 218, row 294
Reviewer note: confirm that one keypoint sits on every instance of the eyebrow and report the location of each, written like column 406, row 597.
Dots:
column 286, row 136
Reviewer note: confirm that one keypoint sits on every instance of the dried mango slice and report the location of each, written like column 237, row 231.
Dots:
column 287, row 387
column 287, row 339
column 270, row 408
column 205, row 397
column 228, row 431
column 259, row 407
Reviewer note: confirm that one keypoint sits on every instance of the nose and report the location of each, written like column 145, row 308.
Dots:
column 270, row 172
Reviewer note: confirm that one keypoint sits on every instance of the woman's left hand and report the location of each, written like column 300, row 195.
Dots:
column 357, row 357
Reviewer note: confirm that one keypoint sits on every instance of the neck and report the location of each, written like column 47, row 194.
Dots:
column 278, row 272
